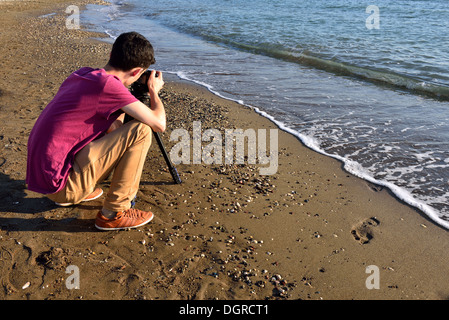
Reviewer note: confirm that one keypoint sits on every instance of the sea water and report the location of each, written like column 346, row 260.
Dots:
column 364, row 82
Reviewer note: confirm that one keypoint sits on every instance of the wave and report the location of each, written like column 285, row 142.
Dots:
column 379, row 77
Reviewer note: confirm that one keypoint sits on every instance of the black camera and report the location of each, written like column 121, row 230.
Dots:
column 140, row 87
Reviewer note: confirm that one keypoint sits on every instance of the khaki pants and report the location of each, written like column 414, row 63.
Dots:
column 123, row 150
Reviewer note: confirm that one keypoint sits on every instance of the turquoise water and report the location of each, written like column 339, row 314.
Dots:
column 371, row 91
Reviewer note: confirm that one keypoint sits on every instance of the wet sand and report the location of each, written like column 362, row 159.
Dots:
column 311, row 231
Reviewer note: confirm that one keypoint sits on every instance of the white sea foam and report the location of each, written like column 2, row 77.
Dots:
column 47, row 15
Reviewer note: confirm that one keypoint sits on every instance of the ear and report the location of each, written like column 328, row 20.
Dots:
column 136, row 71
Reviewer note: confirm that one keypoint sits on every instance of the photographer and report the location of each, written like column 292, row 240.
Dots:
column 80, row 138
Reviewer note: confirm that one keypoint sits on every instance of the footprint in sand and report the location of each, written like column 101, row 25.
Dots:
column 17, row 269
column 6, row 259
column 363, row 232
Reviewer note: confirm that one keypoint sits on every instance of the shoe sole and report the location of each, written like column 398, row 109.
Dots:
column 72, row 204
column 124, row 228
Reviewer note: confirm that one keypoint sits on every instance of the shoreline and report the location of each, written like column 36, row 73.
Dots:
column 308, row 232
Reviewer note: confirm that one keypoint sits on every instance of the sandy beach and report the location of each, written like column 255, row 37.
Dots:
column 310, row 231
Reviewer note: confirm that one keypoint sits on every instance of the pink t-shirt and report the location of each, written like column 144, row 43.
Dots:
column 86, row 105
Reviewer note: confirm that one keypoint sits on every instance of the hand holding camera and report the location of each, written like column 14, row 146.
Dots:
column 155, row 82
column 151, row 81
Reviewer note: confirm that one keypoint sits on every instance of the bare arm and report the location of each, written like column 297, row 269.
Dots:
column 155, row 115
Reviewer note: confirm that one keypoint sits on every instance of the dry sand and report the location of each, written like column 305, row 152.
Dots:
column 308, row 232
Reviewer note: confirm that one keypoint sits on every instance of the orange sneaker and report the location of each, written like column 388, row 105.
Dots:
column 94, row 195
column 131, row 218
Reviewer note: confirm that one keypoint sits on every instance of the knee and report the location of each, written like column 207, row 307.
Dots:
column 143, row 131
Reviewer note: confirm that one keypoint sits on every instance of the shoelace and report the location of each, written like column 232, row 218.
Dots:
column 132, row 213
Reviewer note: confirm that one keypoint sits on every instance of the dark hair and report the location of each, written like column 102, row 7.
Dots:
column 131, row 50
